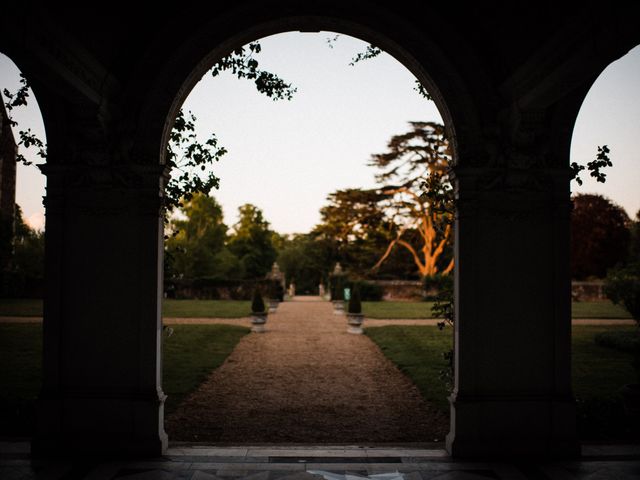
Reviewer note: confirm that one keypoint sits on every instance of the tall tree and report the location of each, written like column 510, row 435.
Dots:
column 197, row 249
column 417, row 161
column 23, row 269
column 252, row 242
column 599, row 235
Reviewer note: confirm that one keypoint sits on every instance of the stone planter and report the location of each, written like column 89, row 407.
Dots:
column 354, row 322
column 631, row 400
column 273, row 305
column 257, row 322
column 338, row 307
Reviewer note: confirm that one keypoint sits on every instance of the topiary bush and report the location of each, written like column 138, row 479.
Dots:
column 622, row 341
column 355, row 306
column 257, row 303
column 369, row 292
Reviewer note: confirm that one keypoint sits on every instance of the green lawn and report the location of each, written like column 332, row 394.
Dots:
column 598, row 310
column 598, row 372
column 397, row 309
column 423, row 310
column 170, row 308
column 237, row 309
column 20, row 307
column 190, row 354
column 206, row 308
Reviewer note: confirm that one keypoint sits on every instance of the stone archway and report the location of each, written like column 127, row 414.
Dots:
column 511, row 94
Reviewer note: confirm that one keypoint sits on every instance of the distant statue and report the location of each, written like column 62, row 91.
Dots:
column 321, row 291
column 292, row 290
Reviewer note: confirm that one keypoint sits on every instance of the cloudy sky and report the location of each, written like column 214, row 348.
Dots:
column 285, row 157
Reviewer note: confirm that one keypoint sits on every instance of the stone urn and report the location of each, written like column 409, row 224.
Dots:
column 354, row 313
column 354, row 322
column 338, row 307
column 258, row 312
column 258, row 320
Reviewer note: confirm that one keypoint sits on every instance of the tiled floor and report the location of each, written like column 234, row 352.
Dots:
column 323, row 463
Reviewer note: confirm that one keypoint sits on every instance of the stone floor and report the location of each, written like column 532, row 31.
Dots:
column 190, row 462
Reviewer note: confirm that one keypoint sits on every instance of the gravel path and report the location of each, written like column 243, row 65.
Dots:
column 306, row 381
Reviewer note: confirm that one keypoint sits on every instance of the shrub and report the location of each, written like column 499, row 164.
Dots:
column 257, row 304
column 354, row 302
column 622, row 286
column 369, row 292
column 618, row 340
column 337, row 287
column 436, row 284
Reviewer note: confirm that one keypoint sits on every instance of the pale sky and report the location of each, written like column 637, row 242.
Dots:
column 287, row 156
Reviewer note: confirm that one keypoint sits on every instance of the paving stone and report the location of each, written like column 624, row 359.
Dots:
column 200, row 475
column 262, row 475
column 464, row 475
column 149, row 475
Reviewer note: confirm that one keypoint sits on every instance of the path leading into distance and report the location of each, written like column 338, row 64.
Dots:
column 306, row 380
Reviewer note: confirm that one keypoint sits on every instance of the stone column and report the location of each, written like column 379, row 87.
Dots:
column 512, row 393
column 101, row 391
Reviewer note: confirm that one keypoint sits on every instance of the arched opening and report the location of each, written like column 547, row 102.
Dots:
column 21, row 249
column 287, row 413
column 511, row 93
column 604, row 228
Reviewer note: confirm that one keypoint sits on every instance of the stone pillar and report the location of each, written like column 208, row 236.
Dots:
column 101, row 392
column 512, row 393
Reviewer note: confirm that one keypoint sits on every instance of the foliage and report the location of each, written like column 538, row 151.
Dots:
column 355, row 232
column 252, row 242
column 257, row 303
column 417, row 159
column 242, row 63
column 354, row 301
column 435, row 285
column 197, row 247
column 188, row 159
column 599, row 235
column 594, row 167
column 337, row 284
column 368, row 291
column 305, row 260
column 26, row 138
column 22, row 260
column 622, row 286
column 634, row 240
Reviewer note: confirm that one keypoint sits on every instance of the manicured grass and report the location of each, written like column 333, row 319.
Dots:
column 206, row 308
column 20, row 307
column 238, row 308
column 603, row 309
column 397, row 309
column 418, row 351
column 170, row 308
column 189, row 355
column 598, row 372
column 417, row 310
